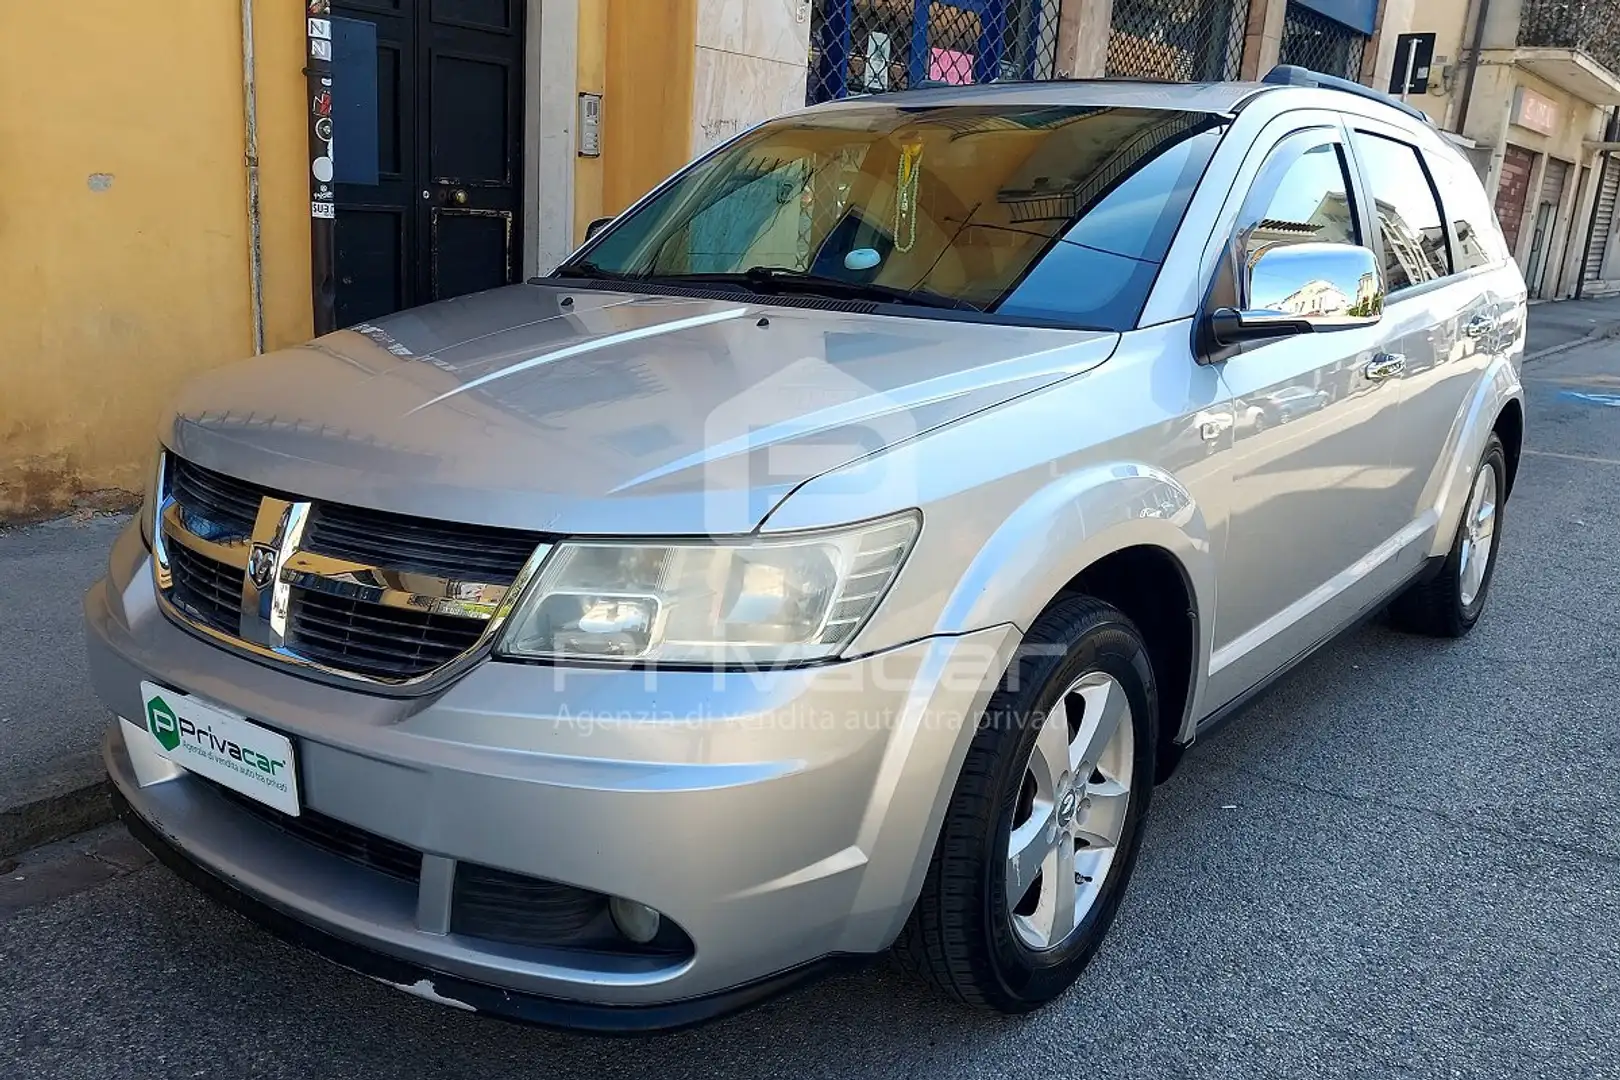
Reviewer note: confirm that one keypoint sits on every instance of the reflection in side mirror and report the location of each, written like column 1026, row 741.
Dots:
column 597, row 226
column 1303, row 289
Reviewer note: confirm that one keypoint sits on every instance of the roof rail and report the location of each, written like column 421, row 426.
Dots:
column 1293, row 75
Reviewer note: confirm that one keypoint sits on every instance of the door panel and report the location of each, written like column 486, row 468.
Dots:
column 469, row 122
column 371, row 262
column 480, row 14
column 1311, row 485
column 471, row 250
column 445, row 216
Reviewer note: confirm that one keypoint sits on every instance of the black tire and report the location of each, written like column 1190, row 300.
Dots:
column 1434, row 606
column 960, row 936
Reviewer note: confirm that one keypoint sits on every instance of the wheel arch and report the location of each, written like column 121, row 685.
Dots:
column 1127, row 533
column 1509, row 427
column 1152, row 588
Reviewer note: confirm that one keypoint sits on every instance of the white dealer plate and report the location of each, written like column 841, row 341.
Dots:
column 225, row 747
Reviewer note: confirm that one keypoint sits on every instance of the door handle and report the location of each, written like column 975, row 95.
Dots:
column 1384, row 366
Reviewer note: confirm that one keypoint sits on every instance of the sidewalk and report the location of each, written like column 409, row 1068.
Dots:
column 50, row 721
column 1562, row 324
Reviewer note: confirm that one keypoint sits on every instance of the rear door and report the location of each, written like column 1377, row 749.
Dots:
column 1441, row 305
column 1311, row 494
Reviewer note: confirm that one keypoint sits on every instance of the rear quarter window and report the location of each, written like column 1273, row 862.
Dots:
column 1477, row 238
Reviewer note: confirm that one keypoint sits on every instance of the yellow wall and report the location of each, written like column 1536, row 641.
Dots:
column 108, row 298
column 1448, row 20
column 640, row 55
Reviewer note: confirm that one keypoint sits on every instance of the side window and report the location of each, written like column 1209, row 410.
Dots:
column 1409, row 221
column 1476, row 238
column 1302, row 196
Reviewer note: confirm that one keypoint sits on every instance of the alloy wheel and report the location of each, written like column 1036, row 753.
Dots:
column 1479, row 535
column 1071, row 811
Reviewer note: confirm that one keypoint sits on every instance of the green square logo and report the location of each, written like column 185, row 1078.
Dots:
column 161, row 722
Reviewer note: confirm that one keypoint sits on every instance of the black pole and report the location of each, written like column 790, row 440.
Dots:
column 1473, row 66
column 322, row 197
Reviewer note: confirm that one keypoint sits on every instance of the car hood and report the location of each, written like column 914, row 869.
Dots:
column 590, row 412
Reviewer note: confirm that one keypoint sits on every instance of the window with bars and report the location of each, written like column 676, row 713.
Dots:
column 1177, row 40
column 1317, row 42
column 871, row 46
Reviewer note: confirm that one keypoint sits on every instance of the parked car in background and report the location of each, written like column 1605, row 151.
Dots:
column 829, row 557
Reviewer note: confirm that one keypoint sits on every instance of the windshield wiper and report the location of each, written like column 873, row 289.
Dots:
column 781, row 279
column 586, row 269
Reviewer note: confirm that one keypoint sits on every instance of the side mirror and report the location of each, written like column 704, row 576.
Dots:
column 1303, row 289
column 596, row 226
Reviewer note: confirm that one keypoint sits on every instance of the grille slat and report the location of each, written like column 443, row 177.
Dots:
column 503, row 906
column 446, row 549
column 226, row 502
column 380, row 624
column 336, row 837
column 208, row 591
column 353, row 635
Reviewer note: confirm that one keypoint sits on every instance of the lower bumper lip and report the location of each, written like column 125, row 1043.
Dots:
column 458, row 992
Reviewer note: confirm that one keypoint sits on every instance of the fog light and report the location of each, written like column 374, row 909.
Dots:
column 638, row 922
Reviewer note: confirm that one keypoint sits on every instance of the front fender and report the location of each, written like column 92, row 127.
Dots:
column 1454, row 475
column 1072, row 523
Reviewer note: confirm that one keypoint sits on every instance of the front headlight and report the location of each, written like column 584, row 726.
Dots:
column 756, row 600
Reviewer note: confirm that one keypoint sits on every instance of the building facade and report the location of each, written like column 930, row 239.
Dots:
column 234, row 176
column 1531, row 88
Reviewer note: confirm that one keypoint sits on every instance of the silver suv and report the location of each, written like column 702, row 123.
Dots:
column 829, row 556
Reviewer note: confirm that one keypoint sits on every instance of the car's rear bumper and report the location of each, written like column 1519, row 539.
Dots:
column 778, row 818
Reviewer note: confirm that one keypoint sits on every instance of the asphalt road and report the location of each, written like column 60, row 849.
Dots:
column 1405, row 861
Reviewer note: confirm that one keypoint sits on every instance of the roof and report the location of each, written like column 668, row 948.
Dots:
column 1219, row 97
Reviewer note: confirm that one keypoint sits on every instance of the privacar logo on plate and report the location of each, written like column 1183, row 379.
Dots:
column 161, row 722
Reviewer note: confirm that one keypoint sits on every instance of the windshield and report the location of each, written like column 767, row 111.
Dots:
column 1035, row 213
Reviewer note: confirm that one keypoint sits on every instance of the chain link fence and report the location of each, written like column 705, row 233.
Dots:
column 872, row 46
column 1317, row 42
column 1177, row 40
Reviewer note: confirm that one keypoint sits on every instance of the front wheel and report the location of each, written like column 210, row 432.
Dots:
column 1450, row 603
column 1042, row 831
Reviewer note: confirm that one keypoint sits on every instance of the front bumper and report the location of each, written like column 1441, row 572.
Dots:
column 778, row 818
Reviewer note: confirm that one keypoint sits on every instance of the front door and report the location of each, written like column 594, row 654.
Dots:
column 442, row 219
column 1311, row 494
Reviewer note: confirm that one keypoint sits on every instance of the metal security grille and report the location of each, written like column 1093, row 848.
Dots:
column 1317, row 42
column 870, row 46
column 1608, row 195
column 1177, row 40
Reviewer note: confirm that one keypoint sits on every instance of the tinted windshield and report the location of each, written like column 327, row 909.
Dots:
column 1059, row 214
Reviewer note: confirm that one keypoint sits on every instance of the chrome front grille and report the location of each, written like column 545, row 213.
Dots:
column 345, row 591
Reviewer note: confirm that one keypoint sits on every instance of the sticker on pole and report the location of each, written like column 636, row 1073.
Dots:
column 226, row 748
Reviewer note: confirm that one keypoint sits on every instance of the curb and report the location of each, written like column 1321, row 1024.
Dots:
column 1601, row 333
column 55, row 817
